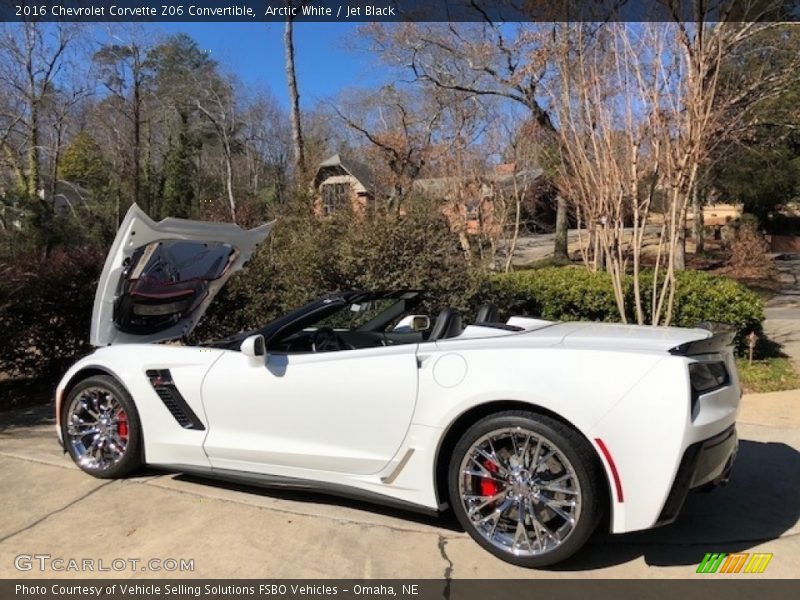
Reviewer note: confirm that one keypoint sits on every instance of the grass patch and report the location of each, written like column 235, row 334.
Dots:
column 767, row 375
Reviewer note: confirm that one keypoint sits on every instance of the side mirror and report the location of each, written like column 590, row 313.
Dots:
column 254, row 346
column 421, row 323
column 412, row 323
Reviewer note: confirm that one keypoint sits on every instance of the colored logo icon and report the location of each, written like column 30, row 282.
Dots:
column 737, row 562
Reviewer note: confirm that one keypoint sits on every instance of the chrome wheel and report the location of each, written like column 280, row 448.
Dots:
column 520, row 491
column 97, row 429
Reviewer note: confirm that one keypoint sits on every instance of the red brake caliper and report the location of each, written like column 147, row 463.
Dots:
column 122, row 425
column 489, row 486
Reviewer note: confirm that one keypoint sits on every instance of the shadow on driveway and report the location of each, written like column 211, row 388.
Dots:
column 446, row 520
column 760, row 504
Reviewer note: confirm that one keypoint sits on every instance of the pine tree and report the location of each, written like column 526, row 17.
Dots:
column 179, row 171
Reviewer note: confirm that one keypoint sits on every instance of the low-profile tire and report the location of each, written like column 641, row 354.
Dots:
column 520, row 463
column 101, row 428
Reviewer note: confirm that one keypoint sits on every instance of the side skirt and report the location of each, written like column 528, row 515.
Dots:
column 292, row 483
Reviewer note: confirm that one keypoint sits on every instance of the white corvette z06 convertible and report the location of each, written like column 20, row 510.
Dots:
column 530, row 430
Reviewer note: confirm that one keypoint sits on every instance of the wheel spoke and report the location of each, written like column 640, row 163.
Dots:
column 82, row 432
column 558, row 490
column 535, row 456
column 493, row 458
column 526, row 445
column 556, row 508
column 522, row 531
column 487, row 502
column 497, row 515
column 541, row 527
column 543, row 460
column 534, row 524
column 514, row 443
column 484, row 474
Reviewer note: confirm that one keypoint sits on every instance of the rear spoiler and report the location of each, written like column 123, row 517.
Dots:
column 722, row 336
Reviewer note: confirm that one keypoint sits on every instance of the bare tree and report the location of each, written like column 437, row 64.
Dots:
column 266, row 141
column 124, row 71
column 218, row 104
column 639, row 112
column 294, row 98
column 401, row 127
column 485, row 60
column 31, row 59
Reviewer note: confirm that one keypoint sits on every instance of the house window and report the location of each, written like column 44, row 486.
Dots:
column 334, row 197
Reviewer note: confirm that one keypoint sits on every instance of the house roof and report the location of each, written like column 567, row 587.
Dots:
column 359, row 170
column 502, row 176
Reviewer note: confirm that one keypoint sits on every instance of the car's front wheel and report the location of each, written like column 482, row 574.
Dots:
column 101, row 428
column 526, row 487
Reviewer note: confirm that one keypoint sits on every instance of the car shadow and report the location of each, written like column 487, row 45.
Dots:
column 445, row 520
column 759, row 504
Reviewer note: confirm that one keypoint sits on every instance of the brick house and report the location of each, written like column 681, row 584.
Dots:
column 468, row 202
column 341, row 181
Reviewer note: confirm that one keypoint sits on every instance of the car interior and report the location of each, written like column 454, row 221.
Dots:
column 391, row 326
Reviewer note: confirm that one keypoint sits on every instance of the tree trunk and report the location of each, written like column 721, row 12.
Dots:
column 698, row 229
column 137, row 138
column 680, row 247
column 560, row 251
column 294, row 101
column 229, row 179
column 148, row 170
column 33, row 155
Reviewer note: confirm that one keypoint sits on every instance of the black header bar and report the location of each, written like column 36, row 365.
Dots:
column 495, row 11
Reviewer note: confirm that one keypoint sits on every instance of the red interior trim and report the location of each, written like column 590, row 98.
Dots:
column 612, row 466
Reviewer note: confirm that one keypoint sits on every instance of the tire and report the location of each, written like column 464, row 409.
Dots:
column 493, row 479
column 101, row 428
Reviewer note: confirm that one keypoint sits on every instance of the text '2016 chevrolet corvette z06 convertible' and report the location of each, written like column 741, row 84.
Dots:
column 529, row 430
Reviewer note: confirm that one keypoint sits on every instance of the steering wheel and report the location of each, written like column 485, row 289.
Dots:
column 325, row 339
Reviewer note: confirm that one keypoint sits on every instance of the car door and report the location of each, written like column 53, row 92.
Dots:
column 346, row 411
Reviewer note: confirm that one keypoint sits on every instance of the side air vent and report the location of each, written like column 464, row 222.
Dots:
column 162, row 383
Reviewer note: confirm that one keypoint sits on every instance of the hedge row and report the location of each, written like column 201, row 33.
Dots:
column 46, row 311
column 46, row 304
column 573, row 293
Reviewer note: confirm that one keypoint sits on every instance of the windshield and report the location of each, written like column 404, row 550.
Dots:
column 357, row 315
column 359, row 319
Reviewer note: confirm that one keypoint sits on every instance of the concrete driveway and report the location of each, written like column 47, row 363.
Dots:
column 51, row 508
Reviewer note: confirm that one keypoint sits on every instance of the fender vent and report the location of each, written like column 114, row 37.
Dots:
column 162, row 383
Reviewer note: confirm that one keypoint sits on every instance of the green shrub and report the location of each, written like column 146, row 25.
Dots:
column 306, row 257
column 573, row 293
column 46, row 311
column 701, row 296
column 561, row 294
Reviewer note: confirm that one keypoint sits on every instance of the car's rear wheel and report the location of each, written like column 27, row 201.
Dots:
column 101, row 428
column 526, row 487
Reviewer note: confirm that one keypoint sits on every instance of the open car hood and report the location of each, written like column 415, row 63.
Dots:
column 159, row 278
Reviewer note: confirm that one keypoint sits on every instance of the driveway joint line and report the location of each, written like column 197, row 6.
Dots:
column 55, row 512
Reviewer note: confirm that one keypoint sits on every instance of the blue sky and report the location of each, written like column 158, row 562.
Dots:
column 325, row 63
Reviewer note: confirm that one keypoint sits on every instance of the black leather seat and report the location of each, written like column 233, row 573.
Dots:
column 448, row 324
column 487, row 314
